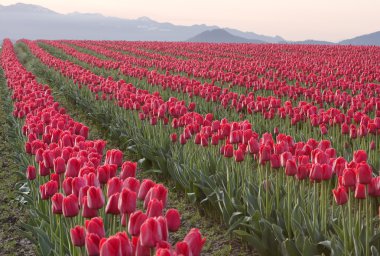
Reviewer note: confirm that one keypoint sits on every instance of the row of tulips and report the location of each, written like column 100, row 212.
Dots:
column 342, row 146
column 354, row 123
column 273, row 195
column 89, row 203
column 337, row 97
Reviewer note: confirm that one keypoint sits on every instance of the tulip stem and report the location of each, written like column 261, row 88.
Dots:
column 349, row 216
column 367, row 218
column 288, row 206
column 266, row 192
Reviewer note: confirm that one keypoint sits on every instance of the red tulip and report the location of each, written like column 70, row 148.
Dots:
column 163, row 252
column 92, row 244
column 339, row 165
column 127, row 201
column 195, row 241
column 264, row 154
column 128, row 169
column 253, row 146
column 275, row 161
column 112, row 204
column 349, row 178
column 173, row 219
column 70, row 206
column 114, row 185
column 360, row 156
column 145, row 186
column 173, row 137
column 95, row 198
column 73, row 167
column 363, row 173
column 135, row 221
column 290, row 168
column 160, row 192
column 103, row 174
column 77, row 235
column 150, row 233
column 182, row 248
column 316, row 173
column 86, row 211
column 132, row 184
column 110, row 247
column 340, row 195
column 57, row 200
column 48, row 189
column 31, row 172
column 59, row 165
column 239, row 155
column 125, row 244
column 228, row 150
column 67, row 186
column 360, row 191
column 95, row 225
column 155, row 208
column 42, row 169
column 326, row 172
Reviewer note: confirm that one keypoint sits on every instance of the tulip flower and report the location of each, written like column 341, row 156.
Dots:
column 95, row 226
column 360, row 156
column 70, row 206
column 95, row 198
column 360, row 191
column 363, row 173
column 77, row 235
column 73, row 167
column 173, row 219
column 145, row 186
column 92, row 244
column 114, row 185
column 128, row 169
column 31, row 172
column 57, row 200
column 132, row 184
column 86, row 211
column 155, row 208
column 150, row 233
column 340, row 195
column 48, row 189
column 127, row 201
column 112, row 204
column 195, row 241
column 135, row 221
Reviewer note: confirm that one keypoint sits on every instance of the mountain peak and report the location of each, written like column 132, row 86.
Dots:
column 21, row 7
column 145, row 19
column 219, row 35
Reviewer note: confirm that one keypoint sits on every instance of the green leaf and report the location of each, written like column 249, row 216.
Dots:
column 290, row 248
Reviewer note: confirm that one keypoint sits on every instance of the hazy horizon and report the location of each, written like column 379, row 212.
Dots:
column 293, row 20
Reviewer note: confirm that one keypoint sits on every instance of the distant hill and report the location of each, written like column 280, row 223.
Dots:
column 254, row 36
column 309, row 41
column 34, row 22
column 220, row 36
column 369, row 39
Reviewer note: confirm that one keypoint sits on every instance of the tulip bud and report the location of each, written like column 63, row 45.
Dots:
column 70, row 206
column 77, row 235
column 340, row 195
column 173, row 220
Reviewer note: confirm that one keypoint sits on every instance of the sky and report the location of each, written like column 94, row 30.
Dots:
column 330, row 20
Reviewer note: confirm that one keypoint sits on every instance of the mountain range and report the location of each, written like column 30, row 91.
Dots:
column 35, row 22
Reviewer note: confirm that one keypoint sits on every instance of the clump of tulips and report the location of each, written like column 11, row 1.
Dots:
column 89, row 204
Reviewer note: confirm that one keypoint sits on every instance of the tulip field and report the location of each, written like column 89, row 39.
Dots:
column 278, row 143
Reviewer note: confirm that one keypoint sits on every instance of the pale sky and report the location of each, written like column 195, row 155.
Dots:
column 331, row 20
